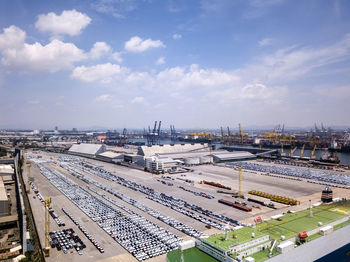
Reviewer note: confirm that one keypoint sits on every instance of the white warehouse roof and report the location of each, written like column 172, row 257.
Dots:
column 6, row 170
column 235, row 155
column 171, row 149
column 87, row 149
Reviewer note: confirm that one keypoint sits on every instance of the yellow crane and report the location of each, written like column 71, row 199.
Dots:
column 292, row 151
column 313, row 152
column 28, row 175
column 240, row 181
column 241, row 134
column 211, row 155
column 302, row 151
column 47, row 203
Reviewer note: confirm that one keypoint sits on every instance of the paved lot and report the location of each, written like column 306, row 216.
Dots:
column 113, row 251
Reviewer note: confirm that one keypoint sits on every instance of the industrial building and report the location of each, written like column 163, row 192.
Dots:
column 4, row 203
column 6, row 172
column 179, row 150
column 224, row 156
column 159, row 164
column 193, row 154
column 242, row 242
column 87, row 150
column 110, row 156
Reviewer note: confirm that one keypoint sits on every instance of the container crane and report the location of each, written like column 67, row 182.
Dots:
column 302, row 151
column 292, row 151
column 222, row 134
column 47, row 203
column 313, row 152
column 241, row 134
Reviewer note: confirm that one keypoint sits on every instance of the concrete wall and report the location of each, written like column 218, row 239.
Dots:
column 254, row 250
column 4, row 208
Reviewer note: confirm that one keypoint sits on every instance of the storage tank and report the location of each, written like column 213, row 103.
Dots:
column 192, row 161
column 204, row 159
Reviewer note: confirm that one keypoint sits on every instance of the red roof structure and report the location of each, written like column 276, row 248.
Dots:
column 303, row 235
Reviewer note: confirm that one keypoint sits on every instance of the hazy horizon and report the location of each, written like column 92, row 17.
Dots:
column 192, row 64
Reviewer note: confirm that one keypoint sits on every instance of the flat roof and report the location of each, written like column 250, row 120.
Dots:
column 6, row 169
column 233, row 155
column 242, row 235
column 89, row 149
column 171, row 149
column 3, row 194
column 110, row 154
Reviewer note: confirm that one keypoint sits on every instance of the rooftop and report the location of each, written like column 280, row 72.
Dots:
column 110, row 154
column 6, row 169
column 242, row 235
column 3, row 194
column 89, row 149
column 224, row 155
column 171, row 149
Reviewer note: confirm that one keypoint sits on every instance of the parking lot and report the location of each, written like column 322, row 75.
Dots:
column 116, row 204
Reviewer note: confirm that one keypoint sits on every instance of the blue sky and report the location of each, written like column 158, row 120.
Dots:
column 125, row 63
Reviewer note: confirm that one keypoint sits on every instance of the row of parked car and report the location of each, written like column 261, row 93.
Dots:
column 156, row 214
column 52, row 212
column 166, row 219
column 295, row 172
column 167, row 200
column 140, row 237
column 327, row 184
column 202, row 194
column 85, row 232
column 66, row 239
column 283, row 177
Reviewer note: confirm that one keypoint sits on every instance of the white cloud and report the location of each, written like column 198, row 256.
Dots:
column 292, row 62
column 70, row 22
column 12, row 37
column 265, row 42
column 263, row 82
column 138, row 100
column 99, row 50
column 117, row 56
column 103, row 98
column 177, row 36
column 102, row 72
column 137, row 44
column 160, row 60
column 116, row 8
column 35, row 57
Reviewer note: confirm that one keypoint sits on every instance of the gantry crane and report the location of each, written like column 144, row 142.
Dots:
column 302, row 151
column 241, row 134
column 313, row 152
column 240, row 181
column 28, row 181
column 47, row 203
column 292, row 151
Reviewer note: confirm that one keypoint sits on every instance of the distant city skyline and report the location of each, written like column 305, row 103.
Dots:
column 193, row 64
